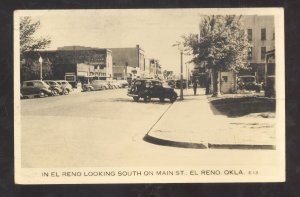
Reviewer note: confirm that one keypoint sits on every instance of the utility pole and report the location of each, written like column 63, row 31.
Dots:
column 41, row 67
column 181, row 75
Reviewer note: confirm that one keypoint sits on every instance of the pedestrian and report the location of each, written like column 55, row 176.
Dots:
column 195, row 87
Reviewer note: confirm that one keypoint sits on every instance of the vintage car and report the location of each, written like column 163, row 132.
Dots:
column 55, row 87
column 96, row 85
column 147, row 89
column 122, row 84
column 172, row 83
column 178, row 83
column 67, row 88
column 248, row 82
column 35, row 88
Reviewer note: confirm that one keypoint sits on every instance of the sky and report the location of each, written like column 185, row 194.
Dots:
column 155, row 30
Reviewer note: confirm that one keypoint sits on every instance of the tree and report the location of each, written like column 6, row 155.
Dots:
column 223, row 45
column 28, row 44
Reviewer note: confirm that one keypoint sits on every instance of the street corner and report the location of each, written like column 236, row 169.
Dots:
column 159, row 140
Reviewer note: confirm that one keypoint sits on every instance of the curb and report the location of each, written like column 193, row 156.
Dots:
column 165, row 142
column 204, row 145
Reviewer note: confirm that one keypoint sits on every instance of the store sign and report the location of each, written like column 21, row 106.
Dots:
column 70, row 78
column 82, row 74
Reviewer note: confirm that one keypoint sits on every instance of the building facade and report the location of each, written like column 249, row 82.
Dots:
column 76, row 65
column 261, row 34
column 128, row 63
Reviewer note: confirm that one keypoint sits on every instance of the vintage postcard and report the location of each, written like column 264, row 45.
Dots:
column 149, row 96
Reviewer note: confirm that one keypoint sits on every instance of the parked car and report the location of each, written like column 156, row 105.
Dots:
column 177, row 84
column 114, row 84
column 55, row 87
column 172, row 83
column 96, row 85
column 67, row 88
column 248, row 82
column 35, row 88
column 123, row 83
column 147, row 89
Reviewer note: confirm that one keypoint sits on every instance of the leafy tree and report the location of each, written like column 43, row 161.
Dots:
column 223, row 45
column 28, row 44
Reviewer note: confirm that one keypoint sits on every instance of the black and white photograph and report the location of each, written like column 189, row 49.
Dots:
column 149, row 95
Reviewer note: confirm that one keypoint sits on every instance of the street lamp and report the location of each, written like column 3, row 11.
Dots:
column 180, row 47
column 41, row 68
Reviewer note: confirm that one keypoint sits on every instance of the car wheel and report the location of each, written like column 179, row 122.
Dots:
column 173, row 98
column 161, row 99
column 55, row 92
column 136, row 98
column 89, row 89
column 66, row 92
column 147, row 98
column 42, row 94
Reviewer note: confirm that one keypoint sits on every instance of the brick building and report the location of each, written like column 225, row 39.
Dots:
column 75, row 64
column 128, row 63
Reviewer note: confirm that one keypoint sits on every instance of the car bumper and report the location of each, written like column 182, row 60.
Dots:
column 132, row 95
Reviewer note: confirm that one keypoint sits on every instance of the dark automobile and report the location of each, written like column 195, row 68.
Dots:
column 65, row 86
column 270, row 87
column 147, row 89
column 178, row 83
column 35, row 88
column 172, row 83
column 55, row 87
column 248, row 82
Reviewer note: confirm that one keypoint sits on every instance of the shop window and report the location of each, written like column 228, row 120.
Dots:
column 29, row 84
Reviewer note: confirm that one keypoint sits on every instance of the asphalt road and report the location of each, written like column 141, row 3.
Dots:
column 106, row 128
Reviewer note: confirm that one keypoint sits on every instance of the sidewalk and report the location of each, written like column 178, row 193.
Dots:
column 195, row 123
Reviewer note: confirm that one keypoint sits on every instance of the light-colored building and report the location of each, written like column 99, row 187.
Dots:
column 261, row 34
column 128, row 63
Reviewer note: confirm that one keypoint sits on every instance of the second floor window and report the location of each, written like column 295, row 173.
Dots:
column 263, row 34
column 249, row 33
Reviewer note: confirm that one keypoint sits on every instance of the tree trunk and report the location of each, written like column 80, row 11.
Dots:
column 207, row 84
column 216, row 82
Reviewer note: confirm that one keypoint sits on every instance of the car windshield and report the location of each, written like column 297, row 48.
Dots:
column 44, row 84
column 166, row 85
column 138, row 83
column 247, row 79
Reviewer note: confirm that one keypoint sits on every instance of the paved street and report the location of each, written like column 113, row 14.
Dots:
column 106, row 128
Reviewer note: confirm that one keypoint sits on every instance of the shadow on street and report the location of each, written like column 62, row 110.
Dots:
column 130, row 100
